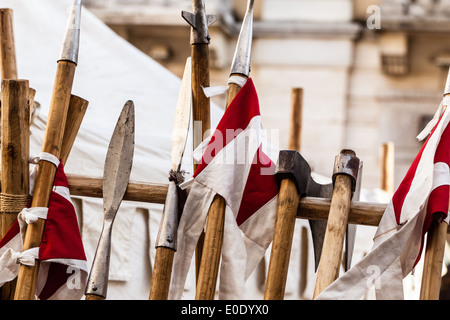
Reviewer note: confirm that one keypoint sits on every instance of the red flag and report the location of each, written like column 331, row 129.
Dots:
column 63, row 266
column 235, row 164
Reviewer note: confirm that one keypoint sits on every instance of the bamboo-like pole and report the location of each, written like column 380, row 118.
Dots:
column 333, row 242
column 26, row 280
column 387, row 167
column 14, row 158
column 8, row 65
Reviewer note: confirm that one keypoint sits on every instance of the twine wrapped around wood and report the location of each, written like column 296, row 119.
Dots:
column 13, row 203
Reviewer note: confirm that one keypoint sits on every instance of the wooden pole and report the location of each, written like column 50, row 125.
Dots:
column 14, row 124
column 434, row 253
column 363, row 213
column 162, row 272
column 75, row 115
column 433, row 261
column 200, row 112
column 26, row 280
column 8, row 65
column 387, row 167
column 287, row 206
column 14, row 159
column 295, row 134
column 328, row 269
column 212, row 248
column 137, row 191
column 288, row 198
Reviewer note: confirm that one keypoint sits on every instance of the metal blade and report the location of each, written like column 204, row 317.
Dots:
column 350, row 235
column 119, row 160
column 182, row 118
column 241, row 60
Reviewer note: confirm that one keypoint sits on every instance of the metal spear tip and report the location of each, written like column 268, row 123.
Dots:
column 70, row 45
column 242, row 54
column 199, row 21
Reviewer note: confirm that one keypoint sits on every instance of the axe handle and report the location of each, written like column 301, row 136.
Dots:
column 287, row 205
column 162, row 272
column 330, row 259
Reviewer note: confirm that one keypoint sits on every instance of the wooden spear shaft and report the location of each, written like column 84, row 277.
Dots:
column 26, row 280
column 434, row 253
column 212, row 248
column 434, row 256
column 8, row 65
column 200, row 112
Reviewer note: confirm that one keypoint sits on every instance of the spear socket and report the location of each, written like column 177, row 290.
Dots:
column 70, row 45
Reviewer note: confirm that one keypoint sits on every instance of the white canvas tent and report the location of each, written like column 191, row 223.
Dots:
column 110, row 71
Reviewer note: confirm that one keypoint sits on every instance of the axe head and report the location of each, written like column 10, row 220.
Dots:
column 291, row 165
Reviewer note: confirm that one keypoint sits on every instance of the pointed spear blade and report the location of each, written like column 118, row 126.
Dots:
column 119, row 160
column 69, row 48
column 182, row 118
column 242, row 54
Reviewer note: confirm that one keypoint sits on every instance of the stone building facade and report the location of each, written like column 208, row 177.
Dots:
column 372, row 71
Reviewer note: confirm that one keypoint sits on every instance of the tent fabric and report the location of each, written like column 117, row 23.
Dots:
column 110, row 71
